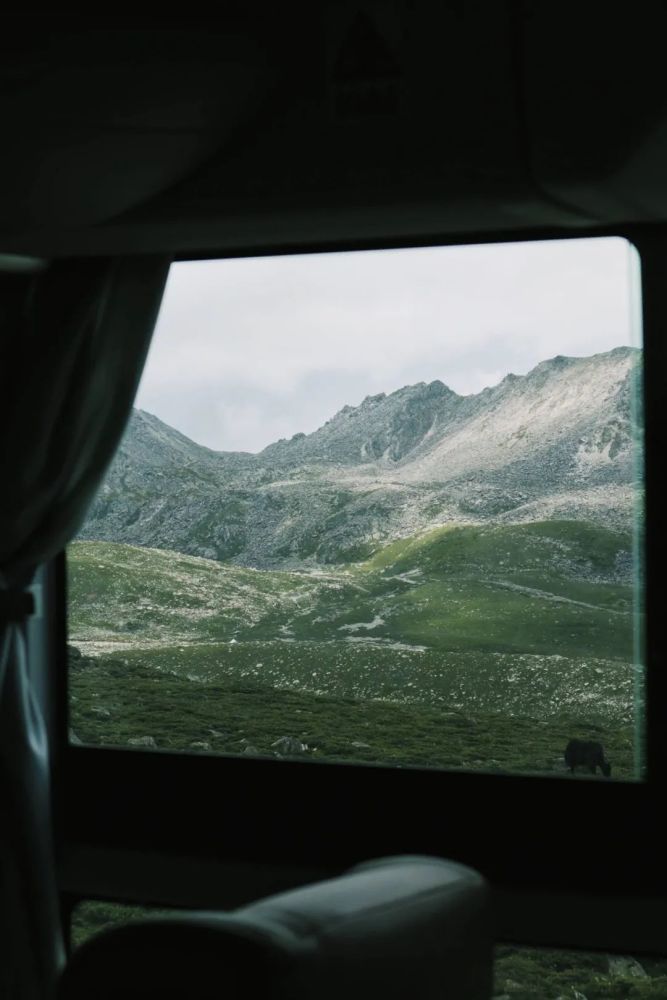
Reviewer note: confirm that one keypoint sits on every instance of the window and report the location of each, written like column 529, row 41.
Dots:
column 378, row 507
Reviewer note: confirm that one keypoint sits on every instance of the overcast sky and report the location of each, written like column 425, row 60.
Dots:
column 250, row 350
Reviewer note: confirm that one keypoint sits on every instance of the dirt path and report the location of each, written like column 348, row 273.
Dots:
column 545, row 595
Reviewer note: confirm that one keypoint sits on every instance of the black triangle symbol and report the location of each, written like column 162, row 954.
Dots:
column 364, row 55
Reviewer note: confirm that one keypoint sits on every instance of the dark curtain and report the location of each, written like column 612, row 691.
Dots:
column 73, row 341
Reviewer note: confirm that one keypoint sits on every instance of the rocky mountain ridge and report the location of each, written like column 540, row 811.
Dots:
column 555, row 443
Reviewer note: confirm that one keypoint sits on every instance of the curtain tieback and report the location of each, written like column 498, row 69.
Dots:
column 15, row 605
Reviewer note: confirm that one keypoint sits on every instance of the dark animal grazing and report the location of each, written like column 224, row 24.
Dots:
column 588, row 753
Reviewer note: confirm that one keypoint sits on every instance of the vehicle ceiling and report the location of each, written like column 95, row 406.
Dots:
column 316, row 123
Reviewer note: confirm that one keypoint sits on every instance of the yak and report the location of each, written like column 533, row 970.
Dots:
column 588, row 753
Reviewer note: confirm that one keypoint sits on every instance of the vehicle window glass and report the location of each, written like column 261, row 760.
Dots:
column 549, row 973
column 377, row 507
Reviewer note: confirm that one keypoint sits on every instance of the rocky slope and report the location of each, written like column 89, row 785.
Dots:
column 556, row 443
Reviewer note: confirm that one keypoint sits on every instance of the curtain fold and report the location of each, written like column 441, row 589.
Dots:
column 73, row 342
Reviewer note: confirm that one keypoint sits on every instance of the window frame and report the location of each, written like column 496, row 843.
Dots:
column 535, row 838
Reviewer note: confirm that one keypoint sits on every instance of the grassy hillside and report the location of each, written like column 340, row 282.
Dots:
column 115, row 698
column 138, row 595
column 496, row 625
column 554, row 588
column 534, row 686
column 549, row 588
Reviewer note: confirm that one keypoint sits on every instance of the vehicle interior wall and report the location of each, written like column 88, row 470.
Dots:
column 255, row 132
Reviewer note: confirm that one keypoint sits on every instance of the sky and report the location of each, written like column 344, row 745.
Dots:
column 250, row 350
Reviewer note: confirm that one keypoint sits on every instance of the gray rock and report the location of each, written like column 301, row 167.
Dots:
column 74, row 739
column 360, row 746
column 289, row 745
column 200, row 745
column 622, row 965
column 142, row 741
column 100, row 713
column 251, row 751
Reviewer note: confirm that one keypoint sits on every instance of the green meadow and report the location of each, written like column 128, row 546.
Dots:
column 483, row 647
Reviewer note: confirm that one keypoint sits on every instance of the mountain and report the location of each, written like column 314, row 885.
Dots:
column 557, row 443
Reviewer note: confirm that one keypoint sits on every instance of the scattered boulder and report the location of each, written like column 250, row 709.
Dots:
column 513, row 987
column 289, row 745
column 99, row 712
column 251, row 751
column 621, row 965
column 359, row 745
column 200, row 745
column 74, row 739
column 142, row 741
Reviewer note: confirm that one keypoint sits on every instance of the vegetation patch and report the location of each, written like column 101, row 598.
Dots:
column 510, row 627
column 118, row 698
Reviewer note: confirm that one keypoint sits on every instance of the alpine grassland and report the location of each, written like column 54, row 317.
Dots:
column 468, row 647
